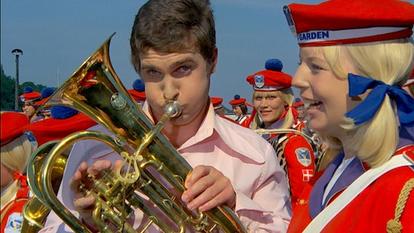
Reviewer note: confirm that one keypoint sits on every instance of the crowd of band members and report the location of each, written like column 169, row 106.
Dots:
column 56, row 122
column 306, row 159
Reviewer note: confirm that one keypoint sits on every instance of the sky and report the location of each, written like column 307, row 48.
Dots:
column 57, row 36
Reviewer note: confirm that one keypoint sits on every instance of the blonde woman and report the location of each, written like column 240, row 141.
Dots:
column 272, row 101
column 354, row 58
column 15, row 151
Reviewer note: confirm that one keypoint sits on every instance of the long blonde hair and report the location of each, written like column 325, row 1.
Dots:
column 14, row 156
column 375, row 141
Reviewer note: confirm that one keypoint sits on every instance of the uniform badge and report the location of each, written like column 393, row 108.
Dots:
column 303, row 156
column 14, row 223
column 259, row 81
column 307, row 175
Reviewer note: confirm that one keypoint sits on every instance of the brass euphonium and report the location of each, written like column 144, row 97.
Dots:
column 152, row 165
column 35, row 212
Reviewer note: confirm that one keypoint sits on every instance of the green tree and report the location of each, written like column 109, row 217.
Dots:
column 7, row 92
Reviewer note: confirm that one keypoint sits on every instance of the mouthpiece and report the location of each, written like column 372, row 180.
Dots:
column 173, row 109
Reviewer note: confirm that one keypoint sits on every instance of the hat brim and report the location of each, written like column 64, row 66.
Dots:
column 137, row 95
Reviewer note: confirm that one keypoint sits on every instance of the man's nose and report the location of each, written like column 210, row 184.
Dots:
column 170, row 90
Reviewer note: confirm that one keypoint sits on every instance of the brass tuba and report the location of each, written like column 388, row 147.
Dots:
column 34, row 211
column 153, row 167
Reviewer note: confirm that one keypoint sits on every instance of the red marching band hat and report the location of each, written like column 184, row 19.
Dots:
column 138, row 91
column 29, row 95
column 216, row 101
column 45, row 95
column 350, row 21
column 270, row 79
column 13, row 125
column 298, row 103
column 237, row 101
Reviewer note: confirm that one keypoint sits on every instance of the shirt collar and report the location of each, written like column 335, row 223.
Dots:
column 214, row 123
column 406, row 134
column 277, row 124
column 205, row 130
column 352, row 172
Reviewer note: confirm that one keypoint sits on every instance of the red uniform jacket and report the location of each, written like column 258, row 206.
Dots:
column 369, row 211
column 294, row 152
column 297, row 157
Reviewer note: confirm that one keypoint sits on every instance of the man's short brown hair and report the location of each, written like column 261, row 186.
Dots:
column 169, row 26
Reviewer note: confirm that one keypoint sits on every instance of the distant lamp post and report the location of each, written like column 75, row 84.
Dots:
column 17, row 53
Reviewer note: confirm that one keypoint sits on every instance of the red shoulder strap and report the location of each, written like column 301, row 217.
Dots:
column 407, row 150
column 23, row 191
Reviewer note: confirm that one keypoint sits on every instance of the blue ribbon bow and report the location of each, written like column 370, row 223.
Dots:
column 368, row 107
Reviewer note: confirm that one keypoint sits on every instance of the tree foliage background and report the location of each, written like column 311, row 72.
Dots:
column 7, row 91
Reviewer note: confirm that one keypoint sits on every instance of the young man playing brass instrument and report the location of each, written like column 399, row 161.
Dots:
column 174, row 51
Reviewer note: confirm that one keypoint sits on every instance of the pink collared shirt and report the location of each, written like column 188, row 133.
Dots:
column 262, row 196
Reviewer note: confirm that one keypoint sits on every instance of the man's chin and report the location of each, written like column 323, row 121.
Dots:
column 180, row 121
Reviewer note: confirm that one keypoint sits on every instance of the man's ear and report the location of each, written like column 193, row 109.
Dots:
column 214, row 61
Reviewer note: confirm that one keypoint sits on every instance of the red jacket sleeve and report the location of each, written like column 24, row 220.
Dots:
column 300, row 162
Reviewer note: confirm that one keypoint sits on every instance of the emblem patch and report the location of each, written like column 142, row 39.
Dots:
column 259, row 81
column 303, row 156
column 307, row 175
column 14, row 223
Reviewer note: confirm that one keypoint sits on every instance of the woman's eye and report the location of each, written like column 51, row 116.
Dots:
column 316, row 67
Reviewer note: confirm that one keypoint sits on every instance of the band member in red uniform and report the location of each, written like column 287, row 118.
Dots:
column 217, row 105
column 138, row 91
column 272, row 99
column 354, row 58
column 28, row 98
column 239, row 108
column 15, row 151
column 299, row 106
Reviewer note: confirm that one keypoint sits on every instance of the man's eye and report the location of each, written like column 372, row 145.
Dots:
column 152, row 73
column 259, row 98
column 183, row 70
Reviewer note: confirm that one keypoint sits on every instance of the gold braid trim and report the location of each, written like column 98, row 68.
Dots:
column 394, row 225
